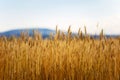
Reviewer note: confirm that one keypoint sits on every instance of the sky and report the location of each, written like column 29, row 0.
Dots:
column 94, row 14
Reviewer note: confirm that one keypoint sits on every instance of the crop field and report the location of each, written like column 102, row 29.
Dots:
column 61, row 57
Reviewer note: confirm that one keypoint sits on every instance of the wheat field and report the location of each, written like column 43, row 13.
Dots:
column 61, row 57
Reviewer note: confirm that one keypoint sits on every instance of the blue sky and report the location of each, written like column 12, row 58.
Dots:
column 16, row 14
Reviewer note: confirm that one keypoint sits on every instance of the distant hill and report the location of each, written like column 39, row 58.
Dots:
column 44, row 32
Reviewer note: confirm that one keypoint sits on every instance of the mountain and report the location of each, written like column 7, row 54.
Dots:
column 44, row 32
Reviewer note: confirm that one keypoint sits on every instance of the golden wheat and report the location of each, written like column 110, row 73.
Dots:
column 62, row 58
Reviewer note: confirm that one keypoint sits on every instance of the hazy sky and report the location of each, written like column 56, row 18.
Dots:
column 49, row 13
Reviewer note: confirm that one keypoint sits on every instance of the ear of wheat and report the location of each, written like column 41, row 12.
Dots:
column 62, row 57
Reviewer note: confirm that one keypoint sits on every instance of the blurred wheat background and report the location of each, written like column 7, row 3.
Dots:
column 61, row 57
